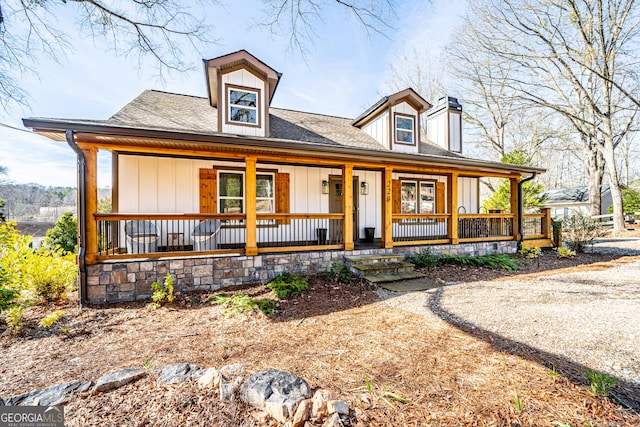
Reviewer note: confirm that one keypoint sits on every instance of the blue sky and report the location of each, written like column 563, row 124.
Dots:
column 346, row 70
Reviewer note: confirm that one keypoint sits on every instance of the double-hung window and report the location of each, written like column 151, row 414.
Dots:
column 418, row 197
column 231, row 193
column 243, row 105
column 405, row 129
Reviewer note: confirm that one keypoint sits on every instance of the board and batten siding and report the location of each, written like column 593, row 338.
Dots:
column 468, row 197
column 437, row 131
column 408, row 110
column 166, row 185
column 246, row 79
column 378, row 129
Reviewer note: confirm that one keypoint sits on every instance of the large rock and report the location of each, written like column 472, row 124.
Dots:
column 118, row 379
column 178, row 373
column 275, row 392
column 50, row 396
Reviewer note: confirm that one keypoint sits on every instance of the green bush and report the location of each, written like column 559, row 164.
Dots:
column 563, row 252
column 162, row 291
column 340, row 272
column 51, row 319
column 502, row 261
column 8, row 294
column 579, row 230
column 241, row 303
column 286, row 285
column 64, row 235
column 424, row 259
column 50, row 275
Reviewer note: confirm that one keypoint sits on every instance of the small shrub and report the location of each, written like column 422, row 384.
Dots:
column 563, row 252
column 340, row 272
column 50, row 275
column 64, row 235
column 496, row 261
column 424, row 259
column 8, row 294
column 162, row 292
column 51, row 319
column 287, row 285
column 601, row 383
column 579, row 230
column 13, row 318
column 242, row 303
column 530, row 252
column 148, row 364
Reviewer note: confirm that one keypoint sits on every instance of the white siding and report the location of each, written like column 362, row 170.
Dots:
column 468, row 198
column 455, row 137
column 245, row 79
column 404, row 108
column 371, row 204
column 437, row 130
column 378, row 129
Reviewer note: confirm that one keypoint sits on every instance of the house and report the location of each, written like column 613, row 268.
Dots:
column 565, row 201
column 226, row 189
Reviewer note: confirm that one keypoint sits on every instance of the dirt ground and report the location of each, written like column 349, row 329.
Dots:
column 335, row 336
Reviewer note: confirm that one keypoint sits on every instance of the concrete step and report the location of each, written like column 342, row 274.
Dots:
column 394, row 277
column 372, row 259
column 382, row 268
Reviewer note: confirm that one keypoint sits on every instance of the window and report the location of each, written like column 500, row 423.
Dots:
column 404, row 129
column 265, row 200
column 231, row 193
column 243, row 105
column 423, row 202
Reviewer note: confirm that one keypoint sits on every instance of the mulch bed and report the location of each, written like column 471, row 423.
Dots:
column 336, row 336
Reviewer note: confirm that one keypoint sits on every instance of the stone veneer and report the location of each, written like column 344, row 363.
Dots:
column 130, row 280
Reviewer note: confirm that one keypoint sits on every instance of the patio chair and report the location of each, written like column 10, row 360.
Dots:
column 142, row 237
column 205, row 235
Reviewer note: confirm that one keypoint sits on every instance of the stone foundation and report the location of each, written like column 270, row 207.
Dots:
column 130, row 280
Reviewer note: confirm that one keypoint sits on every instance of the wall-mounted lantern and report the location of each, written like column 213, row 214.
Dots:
column 364, row 188
column 325, row 186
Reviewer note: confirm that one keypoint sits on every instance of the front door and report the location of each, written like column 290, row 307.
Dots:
column 335, row 206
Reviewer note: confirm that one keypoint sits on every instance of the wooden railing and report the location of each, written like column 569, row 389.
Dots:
column 130, row 235
column 481, row 227
column 412, row 229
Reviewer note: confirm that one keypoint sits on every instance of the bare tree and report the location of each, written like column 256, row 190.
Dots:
column 577, row 58
column 159, row 30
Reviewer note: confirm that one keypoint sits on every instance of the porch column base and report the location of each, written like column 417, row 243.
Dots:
column 349, row 246
column 251, row 251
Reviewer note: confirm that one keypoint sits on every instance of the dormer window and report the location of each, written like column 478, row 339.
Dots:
column 243, row 105
column 405, row 129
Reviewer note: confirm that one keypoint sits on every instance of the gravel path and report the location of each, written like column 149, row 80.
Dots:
column 591, row 318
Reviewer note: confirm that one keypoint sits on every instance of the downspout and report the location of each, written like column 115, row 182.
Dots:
column 82, row 217
column 521, row 209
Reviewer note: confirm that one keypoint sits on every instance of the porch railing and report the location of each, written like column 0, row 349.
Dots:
column 293, row 231
column 485, row 226
column 415, row 228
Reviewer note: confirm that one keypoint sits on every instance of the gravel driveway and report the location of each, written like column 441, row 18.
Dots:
column 590, row 318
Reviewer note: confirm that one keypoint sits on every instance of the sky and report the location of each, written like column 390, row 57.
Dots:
column 345, row 71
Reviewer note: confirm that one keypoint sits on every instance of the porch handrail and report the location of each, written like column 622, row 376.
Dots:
column 166, row 216
column 421, row 216
column 488, row 215
column 285, row 216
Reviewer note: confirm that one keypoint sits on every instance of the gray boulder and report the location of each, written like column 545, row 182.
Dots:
column 118, row 379
column 178, row 373
column 275, row 392
column 50, row 396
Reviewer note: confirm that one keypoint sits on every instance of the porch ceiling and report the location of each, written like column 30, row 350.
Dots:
column 198, row 145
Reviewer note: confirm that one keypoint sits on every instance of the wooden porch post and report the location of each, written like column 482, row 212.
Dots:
column 387, row 208
column 452, row 207
column 547, row 228
column 91, row 188
column 515, row 203
column 251, row 248
column 347, row 206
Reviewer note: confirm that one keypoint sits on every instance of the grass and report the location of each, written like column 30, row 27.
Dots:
column 242, row 303
column 499, row 261
column 600, row 383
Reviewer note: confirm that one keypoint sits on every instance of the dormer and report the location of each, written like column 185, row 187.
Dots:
column 444, row 124
column 241, row 88
column 394, row 121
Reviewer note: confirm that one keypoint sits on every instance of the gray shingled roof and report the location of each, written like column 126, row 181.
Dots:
column 570, row 195
column 168, row 111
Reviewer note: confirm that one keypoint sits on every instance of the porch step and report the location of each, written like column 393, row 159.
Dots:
column 382, row 268
column 393, row 277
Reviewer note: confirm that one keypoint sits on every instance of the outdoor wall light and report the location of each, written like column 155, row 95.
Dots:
column 325, row 186
column 364, row 188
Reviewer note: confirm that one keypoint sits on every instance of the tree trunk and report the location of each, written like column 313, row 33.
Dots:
column 595, row 173
column 614, row 184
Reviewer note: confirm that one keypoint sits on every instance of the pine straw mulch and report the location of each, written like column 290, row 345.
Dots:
column 335, row 336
